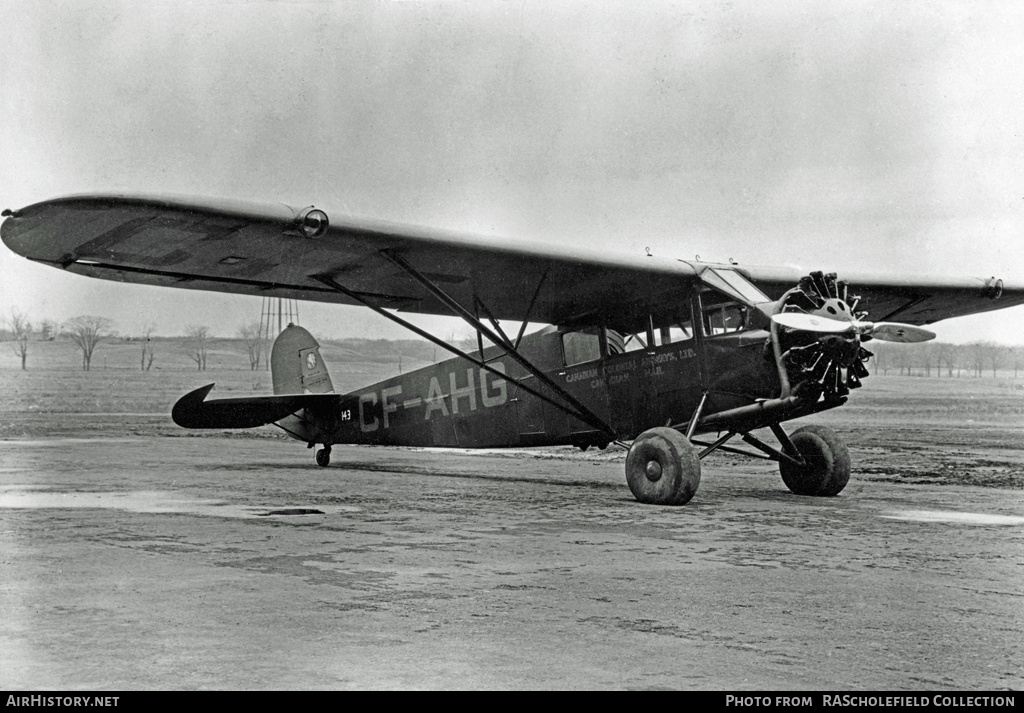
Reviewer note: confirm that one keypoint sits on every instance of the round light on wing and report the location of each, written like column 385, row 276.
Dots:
column 313, row 223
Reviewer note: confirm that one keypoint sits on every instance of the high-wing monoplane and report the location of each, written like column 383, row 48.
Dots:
column 671, row 359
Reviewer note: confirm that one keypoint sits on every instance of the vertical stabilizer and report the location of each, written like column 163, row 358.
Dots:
column 296, row 366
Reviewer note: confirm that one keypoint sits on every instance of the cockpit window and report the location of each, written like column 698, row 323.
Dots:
column 725, row 319
column 581, row 346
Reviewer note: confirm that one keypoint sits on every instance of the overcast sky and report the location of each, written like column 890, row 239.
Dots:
column 831, row 135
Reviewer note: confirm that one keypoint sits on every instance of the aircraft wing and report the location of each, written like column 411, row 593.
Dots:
column 280, row 251
column 261, row 250
column 913, row 299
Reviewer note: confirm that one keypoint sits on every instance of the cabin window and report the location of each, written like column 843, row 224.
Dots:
column 651, row 332
column 616, row 342
column 581, row 346
column 620, row 342
column 672, row 332
column 725, row 319
column 635, row 342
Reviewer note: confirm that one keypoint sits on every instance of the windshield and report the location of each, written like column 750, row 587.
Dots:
column 734, row 284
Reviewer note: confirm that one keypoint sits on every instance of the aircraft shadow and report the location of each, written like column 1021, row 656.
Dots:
column 418, row 470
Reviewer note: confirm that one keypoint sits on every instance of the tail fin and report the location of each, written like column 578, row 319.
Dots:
column 296, row 366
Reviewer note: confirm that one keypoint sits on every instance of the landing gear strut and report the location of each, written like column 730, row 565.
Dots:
column 323, row 456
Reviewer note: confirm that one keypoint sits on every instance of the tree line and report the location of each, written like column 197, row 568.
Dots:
column 88, row 332
column 946, row 360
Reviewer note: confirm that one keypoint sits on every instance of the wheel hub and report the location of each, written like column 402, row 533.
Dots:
column 653, row 470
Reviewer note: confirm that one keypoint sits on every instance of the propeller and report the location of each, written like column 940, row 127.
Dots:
column 896, row 332
column 821, row 347
column 883, row 331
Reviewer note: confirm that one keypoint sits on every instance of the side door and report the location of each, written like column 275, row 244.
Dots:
column 583, row 376
column 529, row 408
column 738, row 365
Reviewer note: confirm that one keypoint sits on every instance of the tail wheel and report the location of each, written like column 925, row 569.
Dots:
column 323, row 457
column 662, row 468
column 826, row 468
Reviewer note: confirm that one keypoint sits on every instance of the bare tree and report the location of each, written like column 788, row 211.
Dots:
column 48, row 330
column 901, row 359
column 87, row 331
column 20, row 330
column 879, row 360
column 946, row 356
column 976, row 353
column 1016, row 359
column 996, row 354
column 926, row 357
column 252, row 335
column 148, row 351
column 197, row 337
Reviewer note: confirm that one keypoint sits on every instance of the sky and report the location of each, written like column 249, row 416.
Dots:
column 845, row 135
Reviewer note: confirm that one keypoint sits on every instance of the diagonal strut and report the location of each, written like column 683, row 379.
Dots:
column 577, row 411
column 589, row 416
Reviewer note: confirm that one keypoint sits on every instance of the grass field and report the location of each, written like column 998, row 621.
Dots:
column 55, row 397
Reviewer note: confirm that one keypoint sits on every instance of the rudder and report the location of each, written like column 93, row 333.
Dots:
column 296, row 366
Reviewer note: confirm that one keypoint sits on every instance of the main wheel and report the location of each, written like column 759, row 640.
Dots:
column 662, row 468
column 827, row 463
column 323, row 456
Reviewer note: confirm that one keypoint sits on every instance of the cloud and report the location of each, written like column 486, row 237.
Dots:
column 860, row 136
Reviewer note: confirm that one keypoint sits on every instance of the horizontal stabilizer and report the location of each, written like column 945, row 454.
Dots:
column 193, row 410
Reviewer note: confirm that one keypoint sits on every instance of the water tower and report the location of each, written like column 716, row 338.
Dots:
column 277, row 313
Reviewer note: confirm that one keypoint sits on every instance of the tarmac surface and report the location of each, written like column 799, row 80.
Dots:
column 233, row 563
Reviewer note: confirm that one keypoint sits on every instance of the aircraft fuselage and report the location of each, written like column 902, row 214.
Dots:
column 456, row 403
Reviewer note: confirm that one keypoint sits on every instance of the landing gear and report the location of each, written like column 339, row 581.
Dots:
column 662, row 467
column 826, row 467
column 323, row 456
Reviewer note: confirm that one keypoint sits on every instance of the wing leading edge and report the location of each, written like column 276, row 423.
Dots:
column 255, row 249
column 268, row 250
column 913, row 299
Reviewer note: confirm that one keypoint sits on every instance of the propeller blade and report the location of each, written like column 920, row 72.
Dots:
column 904, row 333
column 812, row 323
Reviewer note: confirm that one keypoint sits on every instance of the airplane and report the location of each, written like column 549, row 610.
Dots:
column 667, row 358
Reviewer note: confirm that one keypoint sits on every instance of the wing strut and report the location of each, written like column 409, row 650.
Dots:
column 501, row 341
column 477, row 307
column 529, row 310
column 570, row 406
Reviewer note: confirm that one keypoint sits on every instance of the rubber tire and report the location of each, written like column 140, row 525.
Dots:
column 323, row 457
column 678, row 461
column 828, row 463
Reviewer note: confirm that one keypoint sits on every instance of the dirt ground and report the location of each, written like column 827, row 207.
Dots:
column 134, row 556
